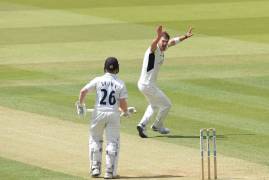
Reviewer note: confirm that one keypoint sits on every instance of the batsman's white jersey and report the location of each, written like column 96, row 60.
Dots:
column 157, row 100
column 109, row 89
column 106, row 117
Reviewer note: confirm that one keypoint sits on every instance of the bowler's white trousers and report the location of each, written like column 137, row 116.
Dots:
column 158, row 102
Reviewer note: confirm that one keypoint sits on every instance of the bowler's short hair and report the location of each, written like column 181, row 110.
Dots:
column 165, row 35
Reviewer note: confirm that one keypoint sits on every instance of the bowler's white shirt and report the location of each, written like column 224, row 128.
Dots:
column 151, row 66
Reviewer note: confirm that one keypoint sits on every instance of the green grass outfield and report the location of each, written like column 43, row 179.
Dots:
column 218, row 78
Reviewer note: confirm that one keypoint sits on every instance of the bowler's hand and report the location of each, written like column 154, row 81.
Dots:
column 189, row 32
column 159, row 31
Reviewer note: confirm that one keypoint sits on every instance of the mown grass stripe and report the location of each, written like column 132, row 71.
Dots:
column 56, row 34
column 225, row 119
column 247, row 25
column 260, row 81
column 11, row 169
column 69, row 4
column 221, row 84
column 219, row 95
column 198, row 11
column 8, row 73
column 124, row 49
column 48, row 18
column 213, row 71
column 219, row 106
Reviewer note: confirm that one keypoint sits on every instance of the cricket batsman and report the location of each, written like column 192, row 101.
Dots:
column 111, row 94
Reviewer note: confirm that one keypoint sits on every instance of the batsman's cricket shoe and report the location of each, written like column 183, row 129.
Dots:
column 142, row 130
column 109, row 175
column 161, row 130
column 96, row 172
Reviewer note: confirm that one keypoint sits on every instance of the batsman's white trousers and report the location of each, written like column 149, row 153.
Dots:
column 158, row 102
column 110, row 123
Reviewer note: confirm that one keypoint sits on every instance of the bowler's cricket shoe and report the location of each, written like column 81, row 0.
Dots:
column 161, row 130
column 96, row 172
column 142, row 130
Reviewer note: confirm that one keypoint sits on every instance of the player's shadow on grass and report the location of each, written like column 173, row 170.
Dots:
column 174, row 136
column 221, row 136
column 150, row 177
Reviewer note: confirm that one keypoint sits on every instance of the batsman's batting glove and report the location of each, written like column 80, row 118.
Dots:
column 125, row 114
column 131, row 110
column 81, row 109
